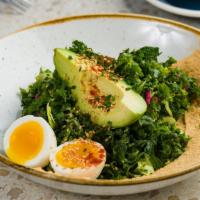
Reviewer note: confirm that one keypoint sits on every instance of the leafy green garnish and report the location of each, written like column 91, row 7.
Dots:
column 171, row 89
column 49, row 91
column 50, row 116
column 109, row 100
column 81, row 48
column 144, row 166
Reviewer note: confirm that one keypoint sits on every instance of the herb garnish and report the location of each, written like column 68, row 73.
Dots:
column 109, row 101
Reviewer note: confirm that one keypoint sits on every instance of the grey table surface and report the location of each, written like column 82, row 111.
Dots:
column 15, row 187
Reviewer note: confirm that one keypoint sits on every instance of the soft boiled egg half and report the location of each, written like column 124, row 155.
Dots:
column 29, row 141
column 79, row 159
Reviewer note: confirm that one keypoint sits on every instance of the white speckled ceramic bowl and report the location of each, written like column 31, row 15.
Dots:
column 23, row 53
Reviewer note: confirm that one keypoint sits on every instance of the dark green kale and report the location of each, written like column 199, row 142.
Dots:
column 50, row 97
column 83, row 50
column 109, row 101
column 135, row 150
column 140, row 148
column 167, row 90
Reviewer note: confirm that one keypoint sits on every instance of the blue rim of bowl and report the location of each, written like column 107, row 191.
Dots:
column 175, row 10
column 189, row 5
column 102, row 182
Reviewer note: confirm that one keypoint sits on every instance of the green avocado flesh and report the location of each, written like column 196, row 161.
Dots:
column 107, row 101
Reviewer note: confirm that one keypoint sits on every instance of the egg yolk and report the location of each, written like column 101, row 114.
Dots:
column 80, row 154
column 25, row 142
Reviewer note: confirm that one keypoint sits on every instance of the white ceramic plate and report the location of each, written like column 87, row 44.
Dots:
column 23, row 53
column 174, row 9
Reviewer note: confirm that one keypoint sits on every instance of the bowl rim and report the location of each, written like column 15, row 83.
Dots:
column 174, row 9
column 101, row 182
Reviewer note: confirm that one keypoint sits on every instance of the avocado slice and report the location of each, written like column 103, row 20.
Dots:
column 104, row 99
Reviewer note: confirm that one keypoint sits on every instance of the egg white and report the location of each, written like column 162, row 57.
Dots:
column 49, row 141
column 89, row 172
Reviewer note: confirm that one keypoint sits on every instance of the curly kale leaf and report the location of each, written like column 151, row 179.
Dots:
column 81, row 48
column 50, row 97
column 171, row 91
